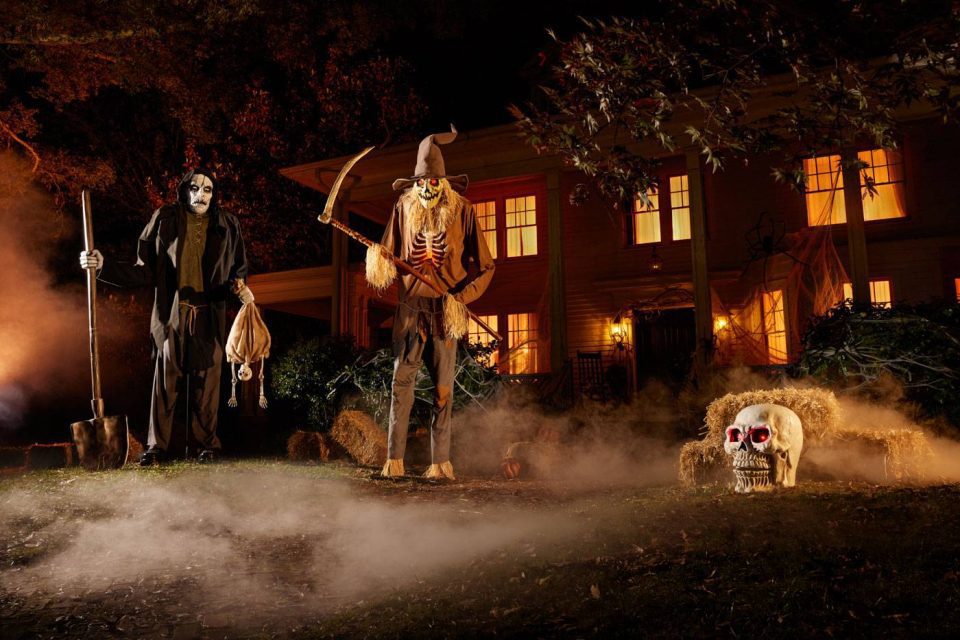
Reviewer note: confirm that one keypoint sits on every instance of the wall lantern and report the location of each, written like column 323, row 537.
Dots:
column 618, row 331
column 656, row 262
column 720, row 323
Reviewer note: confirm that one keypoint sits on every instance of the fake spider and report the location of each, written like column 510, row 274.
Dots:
column 764, row 241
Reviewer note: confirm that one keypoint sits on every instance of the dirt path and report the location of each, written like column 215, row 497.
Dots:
column 265, row 549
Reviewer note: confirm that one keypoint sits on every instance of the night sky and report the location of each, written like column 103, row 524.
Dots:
column 494, row 53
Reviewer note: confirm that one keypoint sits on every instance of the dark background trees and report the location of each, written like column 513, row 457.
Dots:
column 704, row 73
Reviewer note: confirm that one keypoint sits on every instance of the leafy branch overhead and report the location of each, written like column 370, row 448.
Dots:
column 738, row 78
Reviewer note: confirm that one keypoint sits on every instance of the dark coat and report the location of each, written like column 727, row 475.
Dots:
column 158, row 254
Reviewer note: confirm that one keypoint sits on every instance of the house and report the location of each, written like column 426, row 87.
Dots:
column 732, row 260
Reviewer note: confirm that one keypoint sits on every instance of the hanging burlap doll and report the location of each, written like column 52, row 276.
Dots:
column 248, row 342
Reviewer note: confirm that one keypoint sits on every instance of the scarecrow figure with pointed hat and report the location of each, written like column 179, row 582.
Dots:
column 433, row 228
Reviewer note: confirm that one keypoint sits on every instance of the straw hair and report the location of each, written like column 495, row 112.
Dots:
column 442, row 471
column 380, row 270
column 435, row 219
column 392, row 469
column 455, row 318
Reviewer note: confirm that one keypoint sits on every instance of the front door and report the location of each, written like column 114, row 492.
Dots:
column 664, row 344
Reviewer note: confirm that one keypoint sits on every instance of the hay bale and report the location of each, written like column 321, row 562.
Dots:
column 134, row 449
column 705, row 461
column 360, row 437
column 51, row 456
column 701, row 462
column 308, row 446
column 818, row 410
column 905, row 451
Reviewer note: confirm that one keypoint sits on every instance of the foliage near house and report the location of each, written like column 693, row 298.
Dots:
column 918, row 346
column 321, row 377
column 703, row 72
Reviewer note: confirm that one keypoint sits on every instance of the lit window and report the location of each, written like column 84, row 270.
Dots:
column 521, row 225
column 478, row 335
column 522, row 342
column 775, row 327
column 879, row 293
column 825, row 203
column 886, row 169
column 680, row 207
column 956, row 286
column 486, row 213
column 824, row 193
column 646, row 219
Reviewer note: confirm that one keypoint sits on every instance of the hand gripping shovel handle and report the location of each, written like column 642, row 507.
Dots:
column 97, row 401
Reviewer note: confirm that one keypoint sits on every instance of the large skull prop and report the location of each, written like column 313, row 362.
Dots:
column 429, row 190
column 764, row 441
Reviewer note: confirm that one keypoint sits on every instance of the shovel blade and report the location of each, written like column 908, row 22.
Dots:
column 101, row 442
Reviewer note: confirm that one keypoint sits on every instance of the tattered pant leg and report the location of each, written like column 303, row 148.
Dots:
column 441, row 363
column 205, row 402
column 204, row 399
column 166, row 374
column 405, row 369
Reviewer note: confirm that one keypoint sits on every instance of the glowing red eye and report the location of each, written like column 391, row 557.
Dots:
column 419, row 182
column 434, row 182
column 733, row 434
column 759, row 434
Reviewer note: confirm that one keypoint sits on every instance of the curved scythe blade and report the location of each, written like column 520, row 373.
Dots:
column 332, row 198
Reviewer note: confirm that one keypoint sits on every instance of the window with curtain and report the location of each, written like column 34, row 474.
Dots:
column 824, row 193
column 775, row 327
column 646, row 219
column 825, row 198
column 886, row 170
column 486, row 212
column 522, row 343
column 879, row 292
column 521, row 226
column 680, row 206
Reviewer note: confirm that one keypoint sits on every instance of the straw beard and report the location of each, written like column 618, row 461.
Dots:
column 434, row 219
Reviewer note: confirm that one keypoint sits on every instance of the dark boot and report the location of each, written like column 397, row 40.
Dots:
column 152, row 456
column 208, row 456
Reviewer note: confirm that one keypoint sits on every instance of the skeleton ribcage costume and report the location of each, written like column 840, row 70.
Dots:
column 428, row 248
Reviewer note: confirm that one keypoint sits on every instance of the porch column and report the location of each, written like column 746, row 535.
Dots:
column 856, row 235
column 702, row 306
column 555, row 281
column 338, row 302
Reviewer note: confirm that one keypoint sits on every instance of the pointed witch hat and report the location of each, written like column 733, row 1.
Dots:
column 430, row 163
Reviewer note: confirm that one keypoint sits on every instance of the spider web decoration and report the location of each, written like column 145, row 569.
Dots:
column 811, row 286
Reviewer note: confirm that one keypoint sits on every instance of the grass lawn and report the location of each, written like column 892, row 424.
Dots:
column 268, row 549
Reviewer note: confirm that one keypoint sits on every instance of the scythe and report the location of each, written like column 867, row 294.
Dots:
column 327, row 218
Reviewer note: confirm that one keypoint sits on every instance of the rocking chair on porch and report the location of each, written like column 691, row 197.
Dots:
column 591, row 381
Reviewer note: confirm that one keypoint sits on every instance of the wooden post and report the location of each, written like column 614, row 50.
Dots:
column 338, row 301
column 702, row 306
column 856, row 233
column 555, row 280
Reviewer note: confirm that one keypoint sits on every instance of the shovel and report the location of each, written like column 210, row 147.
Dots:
column 101, row 442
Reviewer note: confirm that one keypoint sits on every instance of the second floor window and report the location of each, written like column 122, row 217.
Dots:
column 521, row 226
column 824, row 196
column 486, row 212
column 673, row 198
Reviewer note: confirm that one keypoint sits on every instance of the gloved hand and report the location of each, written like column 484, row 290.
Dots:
column 243, row 292
column 91, row 260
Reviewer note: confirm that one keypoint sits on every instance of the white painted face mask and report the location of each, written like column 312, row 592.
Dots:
column 429, row 190
column 199, row 194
